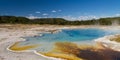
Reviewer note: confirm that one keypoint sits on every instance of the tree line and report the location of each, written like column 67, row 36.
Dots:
column 58, row 21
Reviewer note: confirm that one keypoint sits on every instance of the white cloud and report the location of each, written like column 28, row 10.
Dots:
column 31, row 16
column 72, row 18
column 59, row 10
column 37, row 12
column 54, row 11
column 69, row 17
column 44, row 14
column 117, row 15
column 87, row 17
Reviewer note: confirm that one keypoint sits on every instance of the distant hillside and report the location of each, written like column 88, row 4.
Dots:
column 58, row 21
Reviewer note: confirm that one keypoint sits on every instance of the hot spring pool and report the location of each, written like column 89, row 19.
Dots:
column 47, row 40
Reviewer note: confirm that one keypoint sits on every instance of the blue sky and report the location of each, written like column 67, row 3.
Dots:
column 69, row 9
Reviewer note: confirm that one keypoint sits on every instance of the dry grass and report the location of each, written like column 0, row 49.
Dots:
column 18, row 26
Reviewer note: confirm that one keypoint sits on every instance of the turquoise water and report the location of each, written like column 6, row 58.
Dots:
column 47, row 40
column 70, row 35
